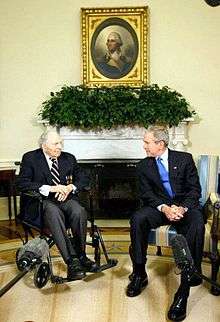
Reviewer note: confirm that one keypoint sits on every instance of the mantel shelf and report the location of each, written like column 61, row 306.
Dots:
column 119, row 143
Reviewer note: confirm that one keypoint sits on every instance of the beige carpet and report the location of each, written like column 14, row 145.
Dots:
column 101, row 297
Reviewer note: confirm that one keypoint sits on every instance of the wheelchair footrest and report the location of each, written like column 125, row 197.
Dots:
column 111, row 263
column 95, row 270
column 57, row 279
column 60, row 280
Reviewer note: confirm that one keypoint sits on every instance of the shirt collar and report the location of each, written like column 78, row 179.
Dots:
column 47, row 158
column 164, row 156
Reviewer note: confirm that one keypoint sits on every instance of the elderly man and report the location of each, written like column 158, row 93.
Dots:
column 170, row 190
column 57, row 177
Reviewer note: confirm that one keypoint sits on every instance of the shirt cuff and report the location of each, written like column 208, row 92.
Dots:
column 160, row 207
column 44, row 190
column 74, row 189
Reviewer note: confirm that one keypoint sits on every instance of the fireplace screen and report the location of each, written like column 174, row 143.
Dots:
column 115, row 187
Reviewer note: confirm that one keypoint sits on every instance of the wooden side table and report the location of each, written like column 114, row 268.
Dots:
column 7, row 180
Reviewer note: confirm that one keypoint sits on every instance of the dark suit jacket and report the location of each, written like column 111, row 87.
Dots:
column 35, row 172
column 183, row 177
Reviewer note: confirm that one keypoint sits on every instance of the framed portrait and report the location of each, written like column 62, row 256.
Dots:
column 115, row 46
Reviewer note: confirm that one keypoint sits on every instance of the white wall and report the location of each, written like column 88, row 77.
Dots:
column 40, row 51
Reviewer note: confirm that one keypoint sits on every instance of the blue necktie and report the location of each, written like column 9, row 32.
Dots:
column 164, row 175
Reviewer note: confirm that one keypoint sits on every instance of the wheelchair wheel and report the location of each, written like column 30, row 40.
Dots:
column 41, row 275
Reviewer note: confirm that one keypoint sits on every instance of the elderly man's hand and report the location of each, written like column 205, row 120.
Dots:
column 61, row 191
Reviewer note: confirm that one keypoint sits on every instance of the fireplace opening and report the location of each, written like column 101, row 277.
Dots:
column 115, row 188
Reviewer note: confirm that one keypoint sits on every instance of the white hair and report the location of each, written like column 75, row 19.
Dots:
column 116, row 36
column 44, row 136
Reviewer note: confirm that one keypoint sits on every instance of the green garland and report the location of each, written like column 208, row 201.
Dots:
column 109, row 107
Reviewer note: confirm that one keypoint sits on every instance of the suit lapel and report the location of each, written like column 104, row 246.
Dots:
column 43, row 165
column 62, row 164
column 155, row 172
column 173, row 167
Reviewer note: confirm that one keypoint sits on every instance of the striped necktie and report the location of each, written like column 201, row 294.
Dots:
column 164, row 175
column 55, row 171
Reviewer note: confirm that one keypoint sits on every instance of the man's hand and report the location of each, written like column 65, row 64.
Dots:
column 61, row 191
column 180, row 211
column 173, row 213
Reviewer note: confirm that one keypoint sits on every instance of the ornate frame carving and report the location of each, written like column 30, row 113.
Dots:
column 127, row 30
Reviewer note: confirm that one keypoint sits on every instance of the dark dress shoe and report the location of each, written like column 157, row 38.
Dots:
column 75, row 270
column 137, row 284
column 131, row 276
column 88, row 265
column 177, row 311
column 195, row 280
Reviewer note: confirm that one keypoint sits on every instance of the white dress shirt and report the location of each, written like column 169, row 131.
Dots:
column 45, row 189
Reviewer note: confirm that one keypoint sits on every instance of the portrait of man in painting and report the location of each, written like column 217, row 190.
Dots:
column 114, row 48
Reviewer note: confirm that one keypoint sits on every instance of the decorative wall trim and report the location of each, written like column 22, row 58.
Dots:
column 131, row 133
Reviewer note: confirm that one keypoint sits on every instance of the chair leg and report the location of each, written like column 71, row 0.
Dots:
column 215, row 268
column 131, row 253
column 215, row 263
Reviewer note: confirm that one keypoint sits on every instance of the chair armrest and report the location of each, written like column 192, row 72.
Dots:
column 34, row 195
column 215, row 200
column 215, row 203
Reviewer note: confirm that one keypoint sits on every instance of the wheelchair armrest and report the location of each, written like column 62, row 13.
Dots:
column 33, row 194
column 31, row 204
column 87, row 188
column 89, row 191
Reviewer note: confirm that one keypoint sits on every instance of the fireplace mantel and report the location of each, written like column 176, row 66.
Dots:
column 124, row 143
column 120, row 143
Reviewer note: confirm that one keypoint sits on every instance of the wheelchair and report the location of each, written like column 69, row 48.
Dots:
column 35, row 253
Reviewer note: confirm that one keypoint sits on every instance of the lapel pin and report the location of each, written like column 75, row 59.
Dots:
column 174, row 168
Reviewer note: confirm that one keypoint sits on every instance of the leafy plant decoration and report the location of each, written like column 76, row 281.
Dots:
column 110, row 107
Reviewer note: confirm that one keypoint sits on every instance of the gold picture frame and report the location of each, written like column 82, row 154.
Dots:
column 115, row 46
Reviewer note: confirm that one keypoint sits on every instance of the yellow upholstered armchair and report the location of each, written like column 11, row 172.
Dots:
column 213, row 227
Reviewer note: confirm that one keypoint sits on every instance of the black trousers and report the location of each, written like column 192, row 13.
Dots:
column 59, row 215
column 191, row 226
